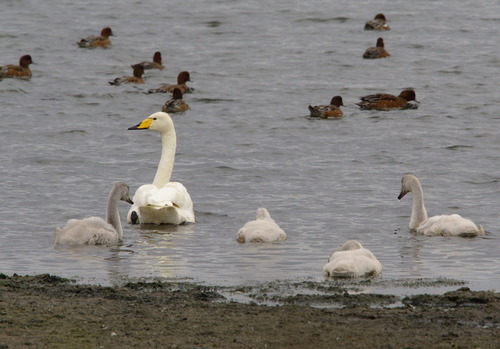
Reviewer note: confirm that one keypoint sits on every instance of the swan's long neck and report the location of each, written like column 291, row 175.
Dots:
column 112, row 213
column 166, row 165
column 418, row 212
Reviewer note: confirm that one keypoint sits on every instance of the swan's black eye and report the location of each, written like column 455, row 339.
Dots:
column 154, row 118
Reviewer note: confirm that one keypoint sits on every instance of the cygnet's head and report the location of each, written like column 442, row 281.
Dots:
column 122, row 191
column 406, row 185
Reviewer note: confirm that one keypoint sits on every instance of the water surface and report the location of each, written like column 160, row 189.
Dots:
column 247, row 141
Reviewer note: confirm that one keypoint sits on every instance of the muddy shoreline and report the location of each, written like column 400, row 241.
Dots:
column 47, row 311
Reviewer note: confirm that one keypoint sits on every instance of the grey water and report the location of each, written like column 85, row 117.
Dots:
column 247, row 141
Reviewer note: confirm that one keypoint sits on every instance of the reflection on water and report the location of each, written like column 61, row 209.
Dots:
column 158, row 247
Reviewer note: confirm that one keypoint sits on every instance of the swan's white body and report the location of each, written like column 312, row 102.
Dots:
column 352, row 260
column 442, row 225
column 262, row 229
column 162, row 202
column 95, row 230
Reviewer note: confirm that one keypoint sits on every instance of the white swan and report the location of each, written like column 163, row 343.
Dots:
column 163, row 201
column 443, row 225
column 352, row 260
column 263, row 228
column 95, row 230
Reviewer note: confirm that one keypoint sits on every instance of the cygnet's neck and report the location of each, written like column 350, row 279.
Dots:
column 112, row 213
column 166, row 164
column 418, row 212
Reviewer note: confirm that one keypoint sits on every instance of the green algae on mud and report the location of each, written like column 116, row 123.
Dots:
column 47, row 311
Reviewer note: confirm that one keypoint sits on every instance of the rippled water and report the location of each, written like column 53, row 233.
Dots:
column 247, row 140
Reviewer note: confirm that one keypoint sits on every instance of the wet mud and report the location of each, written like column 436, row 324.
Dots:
column 46, row 311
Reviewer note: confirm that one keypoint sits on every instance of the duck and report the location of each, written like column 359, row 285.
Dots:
column 385, row 101
column 262, row 229
column 176, row 104
column 378, row 23
column 95, row 230
column 162, row 202
column 441, row 225
column 328, row 111
column 352, row 260
column 97, row 41
column 182, row 78
column 155, row 64
column 136, row 79
column 21, row 71
column 376, row 52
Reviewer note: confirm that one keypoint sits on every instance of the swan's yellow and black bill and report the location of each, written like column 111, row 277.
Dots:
column 144, row 124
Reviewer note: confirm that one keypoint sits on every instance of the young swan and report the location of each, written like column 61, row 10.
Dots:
column 263, row 228
column 443, row 225
column 162, row 202
column 352, row 260
column 95, row 230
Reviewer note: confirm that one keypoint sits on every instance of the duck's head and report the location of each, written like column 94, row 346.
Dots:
column 25, row 61
column 183, row 77
column 107, row 32
column 337, row 101
column 409, row 95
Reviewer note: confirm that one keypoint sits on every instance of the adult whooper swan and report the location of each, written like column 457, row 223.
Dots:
column 263, row 228
column 352, row 260
column 162, row 202
column 442, row 225
column 95, row 230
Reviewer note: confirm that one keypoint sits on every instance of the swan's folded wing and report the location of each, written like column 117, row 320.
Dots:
column 87, row 231
column 260, row 230
column 148, row 198
column 178, row 195
column 449, row 225
column 353, row 263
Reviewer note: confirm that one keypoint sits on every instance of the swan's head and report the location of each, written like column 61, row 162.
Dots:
column 159, row 122
column 351, row 245
column 407, row 183
column 121, row 190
